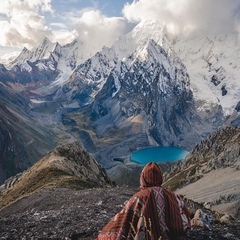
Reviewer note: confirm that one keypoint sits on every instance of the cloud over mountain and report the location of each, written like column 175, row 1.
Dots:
column 187, row 15
column 25, row 23
column 96, row 30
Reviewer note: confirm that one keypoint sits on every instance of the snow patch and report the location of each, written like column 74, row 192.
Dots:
column 37, row 101
column 117, row 85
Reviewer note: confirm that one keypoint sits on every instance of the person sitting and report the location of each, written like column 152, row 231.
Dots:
column 152, row 213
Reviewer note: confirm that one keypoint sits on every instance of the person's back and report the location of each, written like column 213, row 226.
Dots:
column 152, row 213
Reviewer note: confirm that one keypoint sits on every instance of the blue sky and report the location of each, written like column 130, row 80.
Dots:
column 111, row 8
column 98, row 23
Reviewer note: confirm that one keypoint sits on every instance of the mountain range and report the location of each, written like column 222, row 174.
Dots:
column 150, row 88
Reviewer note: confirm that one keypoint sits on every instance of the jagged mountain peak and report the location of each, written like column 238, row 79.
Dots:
column 140, row 35
column 157, row 65
column 42, row 51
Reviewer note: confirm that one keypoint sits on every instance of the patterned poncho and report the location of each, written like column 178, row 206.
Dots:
column 152, row 213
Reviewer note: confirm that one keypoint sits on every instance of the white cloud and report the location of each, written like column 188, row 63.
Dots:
column 91, row 27
column 186, row 15
column 21, row 22
column 96, row 30
column 64, row 36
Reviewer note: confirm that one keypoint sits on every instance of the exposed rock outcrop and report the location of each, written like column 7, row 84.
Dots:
column 220, row 149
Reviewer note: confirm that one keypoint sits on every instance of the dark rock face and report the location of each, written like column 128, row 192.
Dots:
column 236, row 122
column 21, row 142
column 59, row 213
column 84, row 80
column 215, row 80
column 238, row 107
column 224, row 90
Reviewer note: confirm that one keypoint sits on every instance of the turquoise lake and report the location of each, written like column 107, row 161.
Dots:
column 158, row 154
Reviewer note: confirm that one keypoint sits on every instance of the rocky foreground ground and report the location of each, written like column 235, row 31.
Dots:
column 60, row 213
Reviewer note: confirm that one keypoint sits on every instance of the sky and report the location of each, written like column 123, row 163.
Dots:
column 98, row 23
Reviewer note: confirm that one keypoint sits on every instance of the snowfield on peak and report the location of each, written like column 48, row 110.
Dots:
column 43, row 51
column 211, row 61
column 212, row 64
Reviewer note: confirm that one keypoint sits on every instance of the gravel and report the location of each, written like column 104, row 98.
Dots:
column 60, row 213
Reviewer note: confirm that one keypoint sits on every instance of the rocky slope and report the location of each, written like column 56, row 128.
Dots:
column 22, row 141
column 60, row 213
column 210, row 173
column 65, row 166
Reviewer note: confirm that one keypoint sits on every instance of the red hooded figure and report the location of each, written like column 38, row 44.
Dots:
column 152, row 213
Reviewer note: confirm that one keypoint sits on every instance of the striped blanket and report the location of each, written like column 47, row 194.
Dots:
column 152, row 213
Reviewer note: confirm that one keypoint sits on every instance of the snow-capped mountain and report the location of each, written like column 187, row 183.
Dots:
column 48, row 59
column 149, row 88
column 211, row 62
column 96, row 70
column 150, row 92
column 43, row 51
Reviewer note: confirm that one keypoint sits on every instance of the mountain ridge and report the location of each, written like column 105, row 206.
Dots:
column 210, row 172
column 65, row 166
